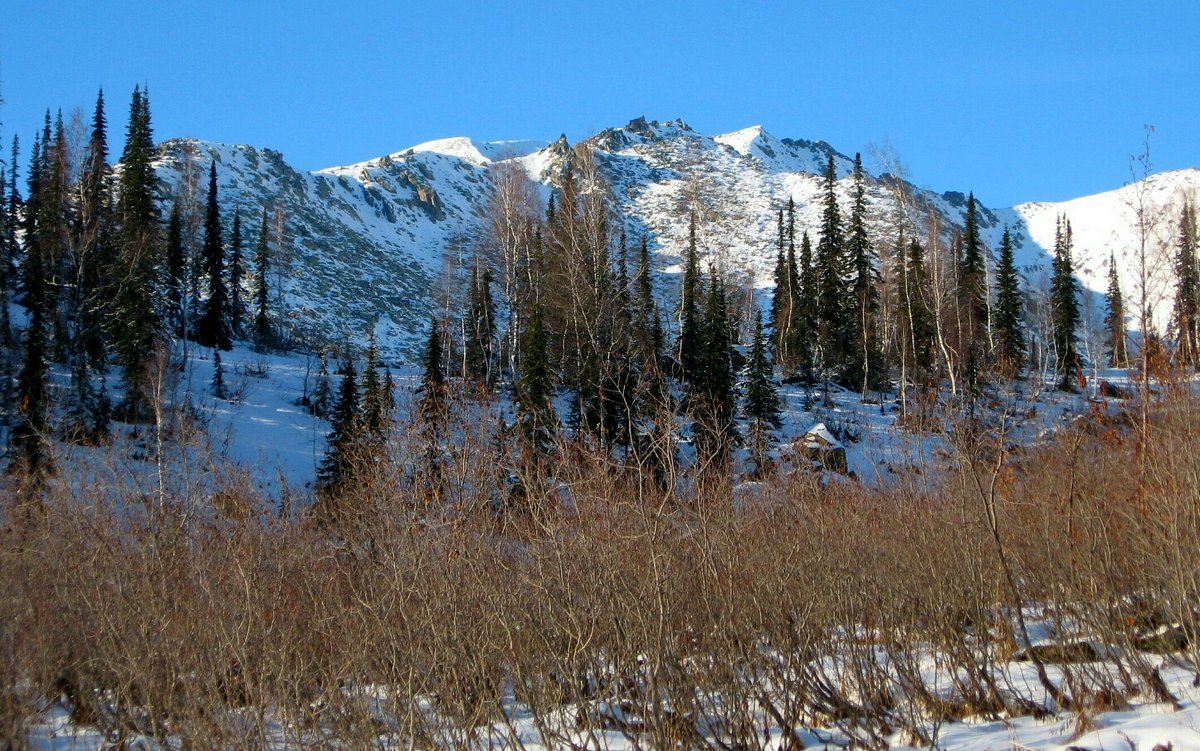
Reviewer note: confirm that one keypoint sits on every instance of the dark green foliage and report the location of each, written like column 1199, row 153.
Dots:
column 713, row 395
column 1007, row 325
column 218, row 382
column 342, row 445
column 1064, row 304
column 377, row 398
column 214, row 328
column 832, row 294
column 30, row 435
column 787, row 300
column 481, row 328
column 174, row 280
column 1114, row 319
column 535, row 387
column 972, row 284
column 865, row 365
column 805, row 321
column 1186, row 314
column 647, row 328
column 762, row 398
column 262, row 293
column 92, row 299
column 914, row 319
column 237, row 273
column 136, row 322
column 322, row 395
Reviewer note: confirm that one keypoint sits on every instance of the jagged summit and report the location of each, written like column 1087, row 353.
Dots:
column 368, row 240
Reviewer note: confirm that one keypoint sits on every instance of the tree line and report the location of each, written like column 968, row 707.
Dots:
column 102, row 282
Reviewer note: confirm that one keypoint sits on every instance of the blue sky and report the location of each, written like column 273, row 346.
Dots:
column 1016, row 100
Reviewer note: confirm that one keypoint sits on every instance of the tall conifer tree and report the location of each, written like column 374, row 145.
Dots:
column 1009, row 329
column 214, row 328
column 1114, row 318
column 1065, row 308
column 136, row 311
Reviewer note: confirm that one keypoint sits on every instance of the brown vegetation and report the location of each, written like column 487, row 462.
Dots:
column 669, row 616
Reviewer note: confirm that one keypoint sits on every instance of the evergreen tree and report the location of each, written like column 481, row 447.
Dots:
column 1186, row 314
column 806, row 321
column 218, row 382
column 342, row 444
column 762, row 398
column 647, row 328
column 1064, row 302
column 136, row 312
column 972, row 285
column 921, row 323
column 237, row 273
column 481, row 331
column 262, row 293
column 7, row 252
column 866, row 362
column 535, row 388
column 10, row 247
column 29, row 436
column 322, row 395
column 832, row 293
column 1114, row 319
column 1009, row 330
column 713, row 400
column 780, row 317
column 174, row 274
column 96, row 248
column 376, row 412
column 214, row 328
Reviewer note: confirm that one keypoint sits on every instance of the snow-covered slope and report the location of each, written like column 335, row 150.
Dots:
column 1106, row 226
column 369, row 240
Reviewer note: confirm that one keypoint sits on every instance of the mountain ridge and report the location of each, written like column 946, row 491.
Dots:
column 369, row 239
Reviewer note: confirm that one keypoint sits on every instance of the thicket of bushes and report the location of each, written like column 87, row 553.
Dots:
column 680, row 618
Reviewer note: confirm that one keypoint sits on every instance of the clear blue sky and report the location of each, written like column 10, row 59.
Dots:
column 1015, row 100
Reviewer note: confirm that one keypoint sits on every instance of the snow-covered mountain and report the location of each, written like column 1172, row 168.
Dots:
column 368, row 240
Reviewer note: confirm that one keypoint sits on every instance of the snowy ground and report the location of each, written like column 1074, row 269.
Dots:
column 262, row 431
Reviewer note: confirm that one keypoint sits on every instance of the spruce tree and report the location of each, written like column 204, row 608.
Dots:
column 780, row 318
column 1009, row 330
column 262, row 292
column 322, row 395
column 832, row 293
column 866, row 359
column 96, row 246
column 237, row 273
column 535, row 388
column 647, row 328
column 218, row 382
column 762, row 398
column 29, row 437
column 1064, row 302
column 972, row 285
column 806, row 321
column 713, row 399
column 376, row 412
column 214, row 328
column 136, row 311
column 1114, row 319
column 342, row 444
column 481, row 331
column 1186, row 313
column 174, row 280
column 920, row 315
